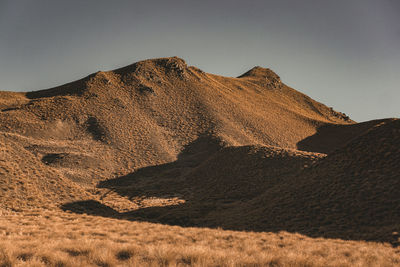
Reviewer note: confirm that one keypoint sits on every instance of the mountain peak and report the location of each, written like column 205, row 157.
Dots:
column 167, row 65
column 258, row 71
column 268, row 76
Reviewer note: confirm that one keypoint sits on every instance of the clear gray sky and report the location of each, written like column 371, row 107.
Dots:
column 344, row 53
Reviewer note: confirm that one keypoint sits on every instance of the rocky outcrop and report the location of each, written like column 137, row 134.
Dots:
column 267, row 77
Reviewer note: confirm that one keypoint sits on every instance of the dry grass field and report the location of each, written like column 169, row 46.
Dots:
column 46, row 238
column 161, row 164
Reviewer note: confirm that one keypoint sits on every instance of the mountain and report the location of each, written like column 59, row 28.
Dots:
column 162, row 141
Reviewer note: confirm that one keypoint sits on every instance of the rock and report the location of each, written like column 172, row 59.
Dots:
column 177, row 66
column 145, row 89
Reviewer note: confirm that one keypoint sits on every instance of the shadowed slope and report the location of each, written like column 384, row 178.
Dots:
column 354, row 189
column 352, row 193
column 349, row 194
column 333, row 136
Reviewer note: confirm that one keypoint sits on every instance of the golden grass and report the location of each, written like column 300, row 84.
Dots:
column 57, row 144
column 53, row 238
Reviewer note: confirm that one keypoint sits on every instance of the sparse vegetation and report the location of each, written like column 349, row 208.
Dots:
column 87, row 166
column 51, row 238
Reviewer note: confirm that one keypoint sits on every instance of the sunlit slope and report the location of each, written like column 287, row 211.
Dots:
column 112, row 123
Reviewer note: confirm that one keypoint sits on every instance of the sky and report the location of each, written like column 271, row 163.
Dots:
column 343, row 53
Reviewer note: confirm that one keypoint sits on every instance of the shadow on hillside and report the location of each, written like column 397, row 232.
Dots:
column 333, row 136
column 202, row 209
column 160, row 181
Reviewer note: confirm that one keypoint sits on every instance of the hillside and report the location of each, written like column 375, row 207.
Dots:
column 351, row 193
column 112, row 123
column 162, row 142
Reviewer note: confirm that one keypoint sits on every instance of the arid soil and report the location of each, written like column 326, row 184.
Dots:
column 162, row 142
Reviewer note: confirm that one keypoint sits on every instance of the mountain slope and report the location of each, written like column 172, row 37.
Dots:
column 351, row 193
column 111, row 123
column 162, row 141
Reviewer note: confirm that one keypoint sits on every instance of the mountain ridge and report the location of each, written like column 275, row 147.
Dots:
column 158, row 133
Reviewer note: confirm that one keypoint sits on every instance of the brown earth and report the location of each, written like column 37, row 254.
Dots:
column 164, row 142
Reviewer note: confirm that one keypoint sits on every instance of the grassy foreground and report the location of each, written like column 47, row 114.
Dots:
column 54, row 238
